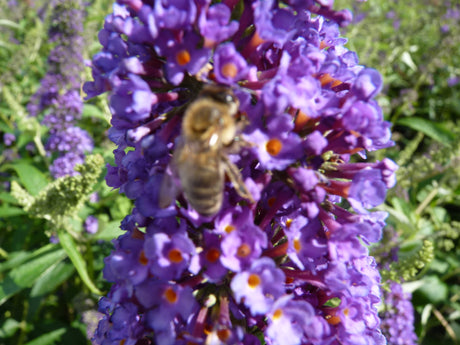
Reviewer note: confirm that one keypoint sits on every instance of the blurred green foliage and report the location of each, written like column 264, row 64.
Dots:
column 48, row 290
column 50, row 267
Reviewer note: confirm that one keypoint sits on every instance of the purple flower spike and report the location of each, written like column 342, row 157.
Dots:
column 281, row 259
column 59, row 93
column 398, row 318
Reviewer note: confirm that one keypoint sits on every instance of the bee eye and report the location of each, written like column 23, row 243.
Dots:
column 229, row 99
column 223, row 97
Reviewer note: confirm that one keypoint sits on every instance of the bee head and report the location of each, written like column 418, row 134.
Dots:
column 222, row 95
column 204, row 119
column 210, row 118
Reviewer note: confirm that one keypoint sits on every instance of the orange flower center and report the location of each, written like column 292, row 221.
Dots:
column 229, row 70
column 243, row 250
column 332, row 319
column 175, row 255
column 224, row 334
column 212, row 255
column 229, row 228
column 297, row 245
column 273, row 146
column 271, row 201
column 143, row 259
column 277, row 314
column 254, row 281
column 183, row 57
column 170, row 295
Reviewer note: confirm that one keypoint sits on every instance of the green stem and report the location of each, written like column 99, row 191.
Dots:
column 427, row 200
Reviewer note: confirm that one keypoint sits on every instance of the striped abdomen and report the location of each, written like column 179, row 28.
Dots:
column 202, row 178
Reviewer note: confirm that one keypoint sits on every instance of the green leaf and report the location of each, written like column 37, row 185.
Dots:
column 8, row 288
column 401, row 213
column 48, row 338
column 439, row 266
column 52, row 278
column 26, row 274
column 9, row 327
column 333, row 302
column 5, row 128
column 436, row 131
column 6, row 45
column 403, row 207
column 10, row 211
column 90, row 110
column 9, row 23
column 17, row 258
column 110, row 231
column 70, row 247
column 31, row 178
column 7, row 197
column 433, row 290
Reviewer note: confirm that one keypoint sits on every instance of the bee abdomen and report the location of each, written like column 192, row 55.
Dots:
column 204, row 190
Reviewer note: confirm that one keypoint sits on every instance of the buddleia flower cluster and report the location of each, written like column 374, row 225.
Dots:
column 398, row 316
column 293, row 266
column 397, row 311
column 59, row 94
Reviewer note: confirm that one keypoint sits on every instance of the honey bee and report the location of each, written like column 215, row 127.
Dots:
column 200, row 160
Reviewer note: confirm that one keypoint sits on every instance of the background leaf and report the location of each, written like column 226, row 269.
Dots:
column 436, row 131
column 26, row 273
column 71, row 249
column 31, row 178
column 48, row 338
column 54, row 276
column 10, row 211
column 109, row 231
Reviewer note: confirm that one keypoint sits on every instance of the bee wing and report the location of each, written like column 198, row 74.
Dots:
column 168, row 191
column 234, row 174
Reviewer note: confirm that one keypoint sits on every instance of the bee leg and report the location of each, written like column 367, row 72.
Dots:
column 236, row 146
column 234, row 174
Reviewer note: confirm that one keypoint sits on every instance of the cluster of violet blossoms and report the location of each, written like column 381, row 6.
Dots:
column 291, row 268
column 59, row 94
column 398, row 317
